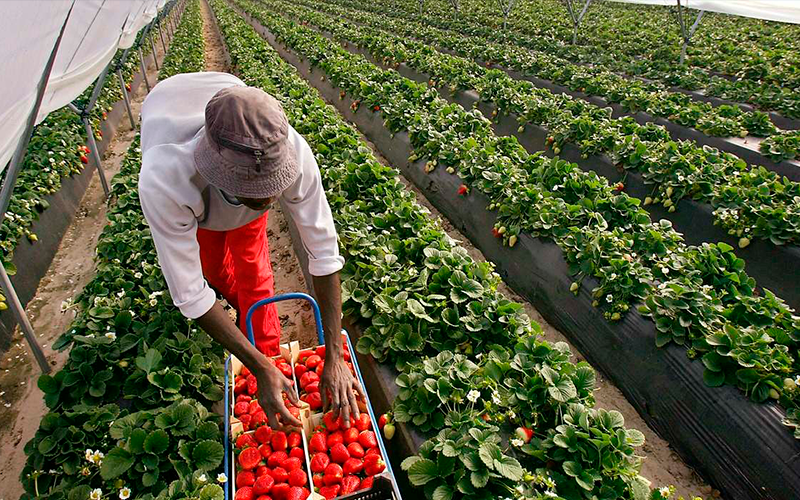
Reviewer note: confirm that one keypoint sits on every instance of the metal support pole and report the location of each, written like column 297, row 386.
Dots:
column 96, row 154
column 5, row 198
column 125, row 97
column 161, row 33
column 144, row 68
column 153, row 49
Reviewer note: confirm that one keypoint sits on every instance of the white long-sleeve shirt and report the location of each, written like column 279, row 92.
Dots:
column 176, row 200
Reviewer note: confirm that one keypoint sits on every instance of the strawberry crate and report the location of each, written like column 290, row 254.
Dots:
column 384, row 485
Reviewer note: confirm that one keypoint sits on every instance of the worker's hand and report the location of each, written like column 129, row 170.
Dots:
column 270, row 384
column 339, row 388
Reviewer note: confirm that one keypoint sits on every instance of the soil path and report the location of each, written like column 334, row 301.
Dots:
column 21, row 401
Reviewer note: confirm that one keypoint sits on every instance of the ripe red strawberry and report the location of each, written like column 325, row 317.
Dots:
column 367, row 439
column 314, row 400
column 240, row 386
column 261, row 470
column 240, row 409
column 317, row 480
column 279, row 474
column 253, row 407
column 245, row 420
column 317, row 443
column 292, row 463
column 258, row 419
column 331, row 491
column 320, row 368
column 619, row 187
column 363, row 423
column 339, row 453
column 382, row 420
column 252, row 385
column 352, row 466
column 277, row 458
column 84, row 159
column 313, row 361
column 312, row 387
column 245, row 493
column 297, row 493
column 304, row 354
column 350, row 484
column 350, row 435
column 320, row 351
column 245, row 371
column 243, row 398
column 245, row 440
column 376, row 108
column 355, row 450
column 279, row 441
column 297, row 453
column 299, row 369
column 308, row 378
column 373, row 464
column 245, row 478
column 280, row 490
column 265, row 450
column 366, row 483
column 263, row 484
column 373, row 451
column 298, row 477
column 293, row 440
column 319, row 462
column 249, row 458
column 286, row 370
column 524, row 433
column 462, row 190
column 334, row 438
column 495, row 232
column 263, row 434
column 333, row 474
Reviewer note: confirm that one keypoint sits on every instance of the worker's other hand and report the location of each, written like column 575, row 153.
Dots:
column 271, row 382
column 339, row 388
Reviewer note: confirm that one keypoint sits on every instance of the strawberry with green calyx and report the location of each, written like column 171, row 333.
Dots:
column 388, row 431
column 383, row 420
column 524, row 433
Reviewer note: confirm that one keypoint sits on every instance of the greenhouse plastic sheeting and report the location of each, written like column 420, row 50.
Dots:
column 785, row 11
column 28, row 32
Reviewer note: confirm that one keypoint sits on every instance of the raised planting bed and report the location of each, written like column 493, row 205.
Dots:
column 716, row 429
column 32, row 260
column 774, row 267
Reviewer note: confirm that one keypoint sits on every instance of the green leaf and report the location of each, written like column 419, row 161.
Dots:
column 489, row 452
column 150, row 478
column 713, row 379
column 450, row 316
column 212, row 492
column 136, row 442
column 563, row 390
column 480, row 478
column 409, row 461
column 634, row 437
column 149, row 362
column 443, row 492
column 47, row 445
column 101, row 312
column 48, row 384
column 422, row 472
column 116, row 463
column 509, row 467
column 156, row 442
column 572, row 469
column 208, row 454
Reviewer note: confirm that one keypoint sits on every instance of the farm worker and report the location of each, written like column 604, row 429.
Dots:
column 216, row 154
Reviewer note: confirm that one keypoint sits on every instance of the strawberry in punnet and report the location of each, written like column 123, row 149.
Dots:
column 280, row 491
column 320, row 351
column 366, row 483
column 356, row 450
column 308, row 378
column 363, row 423
column 319, row 462
column 333, row 474
column 367, row 439
column 292, row 463
column 350, row 435
column 293, row 440
column 265, row 451
column 331, row 423
column 463, row 190
column 298, row 477
column 245, row 440
column 279, row 474
column 333, row 439
column 261, row 470
column 245, row 493
column 245, row 478
column 263, row 434
column 317, row 480
column 350, row 484
column 331, row 491
column 339, row 453
column 249, row 458
column 277, row 458
column 263, row 485
column 297, row 493
column 352, row 466
column 297, row 453
column 373, row 464
column 279, row 441
column 524, row 433
column 318, row 443
column 314, row 400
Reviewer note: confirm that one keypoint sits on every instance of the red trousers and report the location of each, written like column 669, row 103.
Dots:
column 236, row 264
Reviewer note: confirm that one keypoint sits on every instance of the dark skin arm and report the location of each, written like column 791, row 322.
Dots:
column 336, row 378
column 271, row 381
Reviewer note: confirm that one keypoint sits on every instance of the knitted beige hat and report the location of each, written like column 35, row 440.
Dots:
column 245, row 151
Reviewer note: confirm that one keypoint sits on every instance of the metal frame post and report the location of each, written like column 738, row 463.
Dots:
column 5, row 198
column 125, row 97
column 687, row 34
column 144, row 68
column 161, row 33
column 151, row 35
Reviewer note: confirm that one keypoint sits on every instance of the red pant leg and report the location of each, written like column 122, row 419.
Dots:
column 217, row 264
column 252, row 270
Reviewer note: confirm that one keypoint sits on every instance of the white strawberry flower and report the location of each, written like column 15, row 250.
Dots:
column 96, row 494
column 517, row 442
column 664, row 492
column 222, row 478
column 202, row 478
column 124, row 493
column 111, row 335
column 88, row 454
column 473, row 395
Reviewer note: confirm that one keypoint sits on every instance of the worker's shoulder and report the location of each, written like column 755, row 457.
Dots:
column 167, row 168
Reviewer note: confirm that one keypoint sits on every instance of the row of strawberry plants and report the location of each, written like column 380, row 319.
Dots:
column 57, row 149
column 750, row 202
column 764, row 79
column 130, row 410
column 699, row 297
column 421, row 294
column 632, row 95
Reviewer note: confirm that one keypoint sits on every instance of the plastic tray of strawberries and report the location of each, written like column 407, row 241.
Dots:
column 344, row 464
